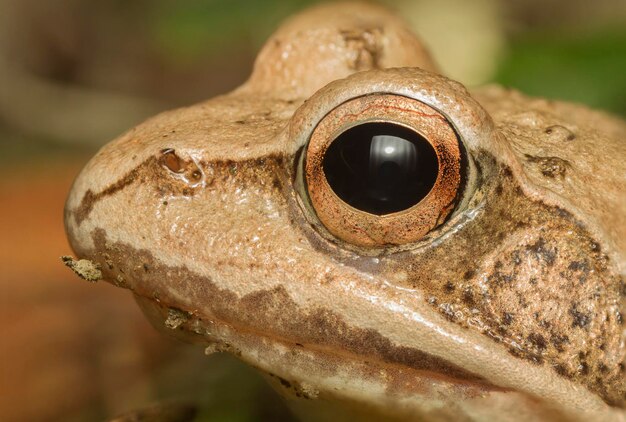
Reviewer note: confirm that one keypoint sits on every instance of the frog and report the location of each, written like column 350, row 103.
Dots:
column 376, row 239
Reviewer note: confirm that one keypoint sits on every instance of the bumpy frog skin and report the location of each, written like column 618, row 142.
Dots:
column 512, row 309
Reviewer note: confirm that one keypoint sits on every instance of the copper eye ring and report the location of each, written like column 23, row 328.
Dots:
column 365, row 229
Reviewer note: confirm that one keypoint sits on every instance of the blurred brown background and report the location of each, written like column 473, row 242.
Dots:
column 76, row 73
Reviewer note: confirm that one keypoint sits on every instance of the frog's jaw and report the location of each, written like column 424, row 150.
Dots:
column 319, row 384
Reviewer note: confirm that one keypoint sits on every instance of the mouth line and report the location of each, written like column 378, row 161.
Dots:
column 248, row 344
column 264, row 321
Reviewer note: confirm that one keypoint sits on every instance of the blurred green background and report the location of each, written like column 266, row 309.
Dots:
column 76, row 73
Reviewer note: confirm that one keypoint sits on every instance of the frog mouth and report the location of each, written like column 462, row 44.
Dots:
column 317, row 343
column 270, row 331
column 296, row 363
column 176, row 292
column 303, row 372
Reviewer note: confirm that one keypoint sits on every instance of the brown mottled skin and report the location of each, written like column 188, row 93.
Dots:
column 512, row 309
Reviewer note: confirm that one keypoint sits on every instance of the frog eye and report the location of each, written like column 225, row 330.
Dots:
column 382, row 170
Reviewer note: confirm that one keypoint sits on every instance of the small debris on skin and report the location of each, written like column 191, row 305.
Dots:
column 309, row 391
column 176, row 318
column 84, row 268
column 212, row 348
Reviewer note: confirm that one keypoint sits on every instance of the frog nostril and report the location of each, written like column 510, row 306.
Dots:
column 171, row 160
column 381, row 168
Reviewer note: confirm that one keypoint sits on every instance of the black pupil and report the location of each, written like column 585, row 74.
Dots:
column 381, row 168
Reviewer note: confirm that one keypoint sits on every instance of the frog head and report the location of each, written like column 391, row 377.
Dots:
column 376, row 239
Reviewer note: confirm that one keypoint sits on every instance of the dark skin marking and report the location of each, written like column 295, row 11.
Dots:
column 538, row 340
column 271, row 308
column 156, row 168
column 90, row 198
column 551, row 167
column 561, row 370
column 468, row 297
column 579, row 319
column 283, row 382
column 527, row 355
column 540, row 248
column 468, row 274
